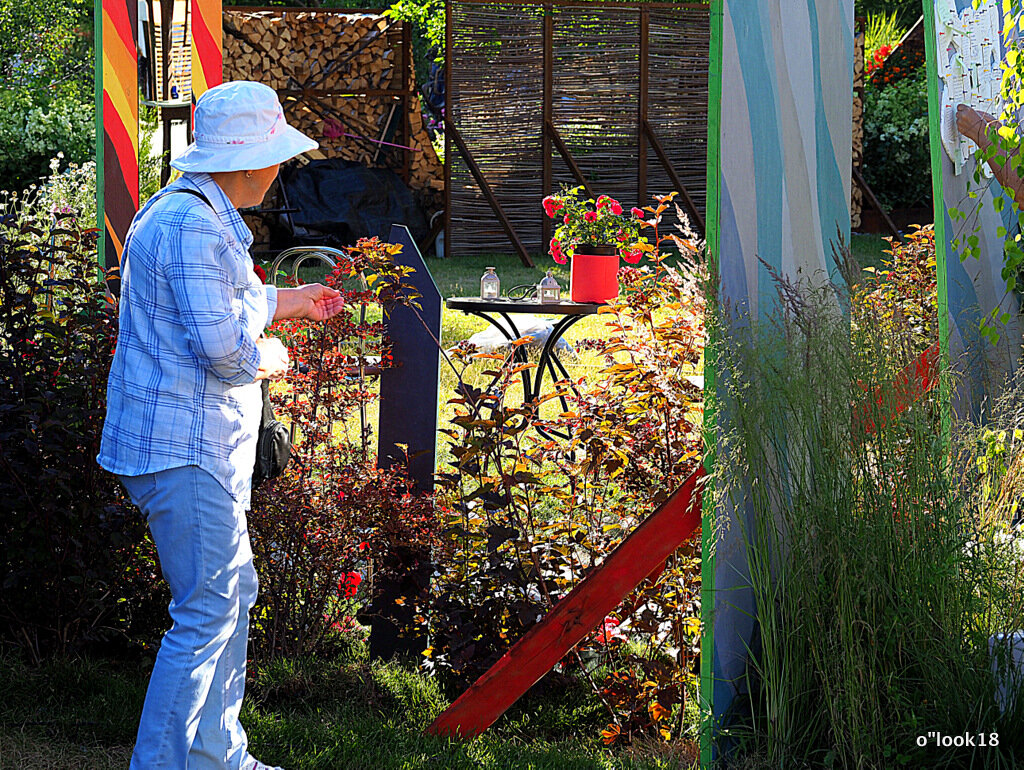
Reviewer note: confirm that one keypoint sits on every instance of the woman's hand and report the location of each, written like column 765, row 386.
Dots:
column 974, row 124
column 313, row 301
column 273, row 358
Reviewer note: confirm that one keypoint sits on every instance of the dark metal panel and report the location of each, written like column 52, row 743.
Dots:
column 408, row 392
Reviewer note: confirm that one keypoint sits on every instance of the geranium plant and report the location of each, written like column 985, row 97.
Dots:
column 600, row 222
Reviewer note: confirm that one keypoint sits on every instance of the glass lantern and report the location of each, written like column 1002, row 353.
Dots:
column 490, row 285
column 548, row 290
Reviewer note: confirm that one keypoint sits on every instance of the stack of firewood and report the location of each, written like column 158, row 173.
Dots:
column 340, row 81
column 857, row 197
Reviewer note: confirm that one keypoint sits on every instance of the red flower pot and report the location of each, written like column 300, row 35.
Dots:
column 594, row 275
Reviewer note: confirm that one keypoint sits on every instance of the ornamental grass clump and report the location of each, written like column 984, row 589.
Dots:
column 595, row 223
column 877, row 576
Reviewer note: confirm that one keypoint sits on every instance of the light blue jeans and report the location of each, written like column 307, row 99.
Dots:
column 190, row 717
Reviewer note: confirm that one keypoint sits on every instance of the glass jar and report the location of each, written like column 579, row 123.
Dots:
column 548, row 290
column 490, row 285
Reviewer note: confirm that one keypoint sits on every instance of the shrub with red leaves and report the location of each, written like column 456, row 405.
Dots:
column 332, row 514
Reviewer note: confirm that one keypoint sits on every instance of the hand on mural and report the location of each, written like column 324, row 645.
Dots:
column 975, row 125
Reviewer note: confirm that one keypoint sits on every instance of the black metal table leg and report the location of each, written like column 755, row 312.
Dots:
column 569, row 313
column 517, row 354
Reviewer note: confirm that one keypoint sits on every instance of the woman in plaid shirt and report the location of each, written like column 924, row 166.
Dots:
column 183, row 411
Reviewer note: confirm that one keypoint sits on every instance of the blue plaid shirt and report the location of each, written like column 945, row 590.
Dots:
column 182, row 387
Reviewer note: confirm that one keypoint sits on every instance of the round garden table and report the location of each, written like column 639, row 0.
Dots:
column 569, row 314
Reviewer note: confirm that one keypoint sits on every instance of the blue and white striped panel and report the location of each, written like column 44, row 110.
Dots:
column 784, row 197
column 786, row 141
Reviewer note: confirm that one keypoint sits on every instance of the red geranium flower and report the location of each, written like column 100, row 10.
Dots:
column 556, row 252
column 349, row 584
column 551, row 206
column 590, row 216
column 615, row 207
column 636, row 212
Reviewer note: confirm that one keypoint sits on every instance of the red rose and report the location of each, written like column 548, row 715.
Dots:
column 556, row 252
column 260, row 273
column 636, row 212
column 615, row 207
column 590, row 216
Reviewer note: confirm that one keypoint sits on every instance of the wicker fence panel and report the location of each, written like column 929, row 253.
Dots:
column 679, row 41
column 495, row 99
column 496, row 93
column 596, row 97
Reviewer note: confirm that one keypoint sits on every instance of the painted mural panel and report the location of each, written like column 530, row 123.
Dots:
column 964, row 50
column 783, row 176
column 120, row 110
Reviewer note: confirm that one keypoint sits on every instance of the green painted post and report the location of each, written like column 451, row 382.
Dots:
column 98, row 96
column 941, row 250
column 712, row 217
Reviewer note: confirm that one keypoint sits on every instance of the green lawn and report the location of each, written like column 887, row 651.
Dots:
column 868, row 249
column 338, row 714
column 461, row 277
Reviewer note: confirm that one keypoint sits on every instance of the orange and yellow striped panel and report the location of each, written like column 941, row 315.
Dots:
column 120, row 123
column 207, row 58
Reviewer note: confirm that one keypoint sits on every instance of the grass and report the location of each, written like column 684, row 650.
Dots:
column 868, row 249
column 315, row 713
column 877, row 630
column 458, row 277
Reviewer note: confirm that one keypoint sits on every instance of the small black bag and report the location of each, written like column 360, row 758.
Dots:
column 273, row 443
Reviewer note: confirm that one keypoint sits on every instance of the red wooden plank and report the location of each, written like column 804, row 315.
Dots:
column 916, row 379
column 582, row 610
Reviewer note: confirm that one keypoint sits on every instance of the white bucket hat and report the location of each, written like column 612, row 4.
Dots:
column 240, row 126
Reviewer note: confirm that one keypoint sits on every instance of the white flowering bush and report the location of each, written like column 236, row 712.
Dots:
column 897, row 158
column 68, row 192
column 32, row 133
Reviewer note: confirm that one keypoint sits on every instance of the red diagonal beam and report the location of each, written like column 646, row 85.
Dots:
column 916, row 379
column 578, row 613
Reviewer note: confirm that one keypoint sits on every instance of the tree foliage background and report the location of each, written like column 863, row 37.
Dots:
column 46, row 87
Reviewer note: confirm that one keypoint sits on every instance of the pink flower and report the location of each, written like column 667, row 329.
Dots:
column 636, row 212
column 602, row 201
column 556, row 252
column 590, row 216
column 632, row 256
column 615, row 207
column 552, row 205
